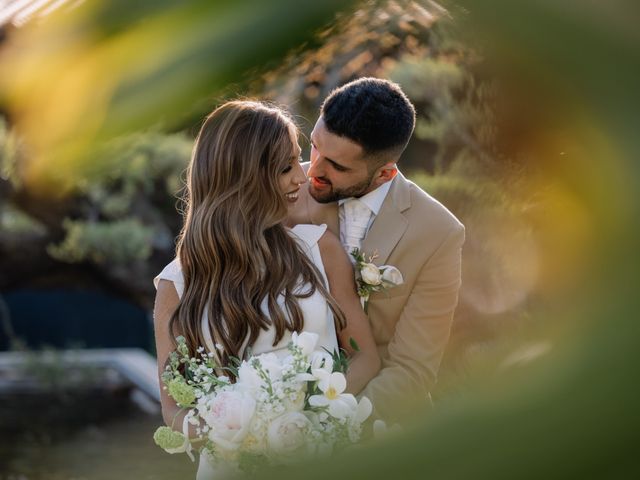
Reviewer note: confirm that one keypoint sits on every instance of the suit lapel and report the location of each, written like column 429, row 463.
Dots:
column 390, row 224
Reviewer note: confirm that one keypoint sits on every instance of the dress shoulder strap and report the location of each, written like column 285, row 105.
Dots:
column 173, row 273
column 309, row 234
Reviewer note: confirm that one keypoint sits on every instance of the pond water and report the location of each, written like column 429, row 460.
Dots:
column 75, row 318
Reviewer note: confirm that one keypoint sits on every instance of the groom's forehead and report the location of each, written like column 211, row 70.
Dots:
column 334, row 146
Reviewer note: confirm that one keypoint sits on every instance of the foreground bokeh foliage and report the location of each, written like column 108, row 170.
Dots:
column 539, row 378
column 565, row 406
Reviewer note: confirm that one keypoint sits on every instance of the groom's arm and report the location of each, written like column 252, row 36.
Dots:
column 421, row 334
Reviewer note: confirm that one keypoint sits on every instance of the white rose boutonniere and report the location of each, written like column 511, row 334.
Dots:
column 370, row 274
column 371, row 278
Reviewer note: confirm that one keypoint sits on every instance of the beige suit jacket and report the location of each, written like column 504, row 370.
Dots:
column 410, row 322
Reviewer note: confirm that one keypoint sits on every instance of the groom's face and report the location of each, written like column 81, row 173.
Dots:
column 338, row 169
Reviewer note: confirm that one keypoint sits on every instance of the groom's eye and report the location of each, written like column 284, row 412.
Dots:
column 337, row 167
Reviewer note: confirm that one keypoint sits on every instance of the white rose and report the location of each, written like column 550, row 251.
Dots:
column 287, row 434
column 392, row 275
column 306, row 341
column 371, row 274
column 229, row 415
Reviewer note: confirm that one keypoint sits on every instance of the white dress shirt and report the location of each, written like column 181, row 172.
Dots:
column 373, row 200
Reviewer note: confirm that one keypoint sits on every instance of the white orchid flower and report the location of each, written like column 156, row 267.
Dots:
column 321, row 359
column 306, row 341
column 340, row 405
column 364, row 410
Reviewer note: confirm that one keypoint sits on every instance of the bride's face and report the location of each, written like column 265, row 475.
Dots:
column 292, row 176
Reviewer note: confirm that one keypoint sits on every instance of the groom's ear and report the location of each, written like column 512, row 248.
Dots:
column 385, row 173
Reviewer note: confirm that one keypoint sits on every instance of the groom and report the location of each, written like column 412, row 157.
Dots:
column 356, row 189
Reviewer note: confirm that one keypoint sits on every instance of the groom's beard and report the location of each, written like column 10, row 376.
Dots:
column 332, row 194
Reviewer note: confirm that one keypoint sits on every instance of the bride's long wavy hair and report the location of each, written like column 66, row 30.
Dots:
column 233, row 248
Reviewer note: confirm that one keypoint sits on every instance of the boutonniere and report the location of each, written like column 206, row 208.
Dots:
column 371, row 278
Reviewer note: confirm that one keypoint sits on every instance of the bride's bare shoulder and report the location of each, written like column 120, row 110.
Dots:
column 329, row 243
column 166, row 301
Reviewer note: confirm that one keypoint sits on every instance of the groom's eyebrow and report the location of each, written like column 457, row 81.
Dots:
column 333, row 163
column 337, row 166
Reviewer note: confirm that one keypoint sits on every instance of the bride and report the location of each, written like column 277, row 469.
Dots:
column 242, row 281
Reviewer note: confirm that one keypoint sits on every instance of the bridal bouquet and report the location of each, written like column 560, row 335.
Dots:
column 279, row 410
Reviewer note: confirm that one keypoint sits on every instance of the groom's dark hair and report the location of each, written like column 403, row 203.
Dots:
column 372, row 112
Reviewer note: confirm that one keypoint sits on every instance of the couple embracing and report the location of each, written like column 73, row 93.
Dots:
column 265, row 246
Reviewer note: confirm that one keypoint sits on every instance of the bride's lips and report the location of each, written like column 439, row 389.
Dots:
column 292, row 197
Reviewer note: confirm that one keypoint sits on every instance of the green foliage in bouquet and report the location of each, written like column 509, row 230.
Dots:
column 183, row 371
column 168, row 439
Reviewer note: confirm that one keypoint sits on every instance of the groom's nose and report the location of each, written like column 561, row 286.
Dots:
column 315, row 168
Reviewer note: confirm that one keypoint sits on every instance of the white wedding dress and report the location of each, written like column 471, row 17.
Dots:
column 315, row 310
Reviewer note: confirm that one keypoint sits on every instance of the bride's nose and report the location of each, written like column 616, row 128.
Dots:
column 300, row 176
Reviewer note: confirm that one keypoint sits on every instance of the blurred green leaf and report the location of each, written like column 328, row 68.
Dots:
column 89, row 75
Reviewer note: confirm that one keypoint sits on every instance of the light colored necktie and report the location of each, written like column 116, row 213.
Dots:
column 356, row 217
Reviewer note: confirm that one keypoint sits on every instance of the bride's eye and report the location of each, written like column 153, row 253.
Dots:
column 286, row 170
